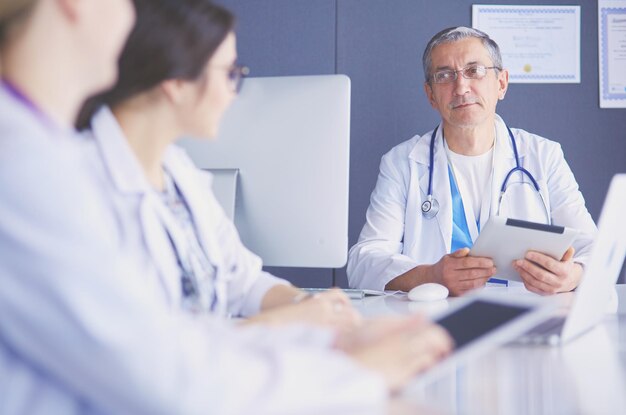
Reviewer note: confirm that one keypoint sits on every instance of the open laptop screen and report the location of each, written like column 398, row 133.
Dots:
column 479, row 318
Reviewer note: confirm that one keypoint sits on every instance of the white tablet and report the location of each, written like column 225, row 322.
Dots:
column 482, row 321
column 505, row 240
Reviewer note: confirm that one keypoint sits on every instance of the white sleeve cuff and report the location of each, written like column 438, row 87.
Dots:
column 263, row 283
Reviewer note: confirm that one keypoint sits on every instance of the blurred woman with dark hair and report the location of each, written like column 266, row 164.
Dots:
column 177, row 75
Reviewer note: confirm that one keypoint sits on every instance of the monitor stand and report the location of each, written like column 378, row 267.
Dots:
column 225, row 189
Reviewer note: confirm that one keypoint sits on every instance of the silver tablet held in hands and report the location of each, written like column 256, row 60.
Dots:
column 504, row 240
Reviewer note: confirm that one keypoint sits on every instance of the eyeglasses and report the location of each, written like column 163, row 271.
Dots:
column 447, row 76
column 236, row 74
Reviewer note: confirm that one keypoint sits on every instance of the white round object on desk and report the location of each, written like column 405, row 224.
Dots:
column 428, row 292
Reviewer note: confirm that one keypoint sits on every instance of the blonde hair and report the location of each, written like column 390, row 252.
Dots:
column 9, row 8
column 12, row 11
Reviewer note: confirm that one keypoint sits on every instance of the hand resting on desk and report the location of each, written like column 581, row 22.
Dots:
column 331, row 308
column 396, row 348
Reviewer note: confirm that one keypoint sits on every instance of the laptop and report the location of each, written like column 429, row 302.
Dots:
column 597, row 286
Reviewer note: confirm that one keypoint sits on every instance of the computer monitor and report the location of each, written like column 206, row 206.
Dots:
column 285, row 143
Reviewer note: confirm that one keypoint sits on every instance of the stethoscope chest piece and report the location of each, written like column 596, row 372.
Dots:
column 430, row 208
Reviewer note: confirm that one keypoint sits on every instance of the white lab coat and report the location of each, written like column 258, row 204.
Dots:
column 86, row 328
column 397, row 237
column 142, row 214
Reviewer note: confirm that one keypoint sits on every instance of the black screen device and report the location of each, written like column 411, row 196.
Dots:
column 478, row 318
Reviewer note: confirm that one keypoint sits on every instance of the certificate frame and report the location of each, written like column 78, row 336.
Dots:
column 612, row 81
column 539, row 44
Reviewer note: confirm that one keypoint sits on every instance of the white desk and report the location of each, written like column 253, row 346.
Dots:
column 586, row 376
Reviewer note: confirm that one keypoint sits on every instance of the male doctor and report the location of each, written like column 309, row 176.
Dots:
column 436, row 191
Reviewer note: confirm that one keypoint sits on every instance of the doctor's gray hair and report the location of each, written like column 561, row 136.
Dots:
column 454, row 34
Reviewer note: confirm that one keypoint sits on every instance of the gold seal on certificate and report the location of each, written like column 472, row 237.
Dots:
column 539, row 44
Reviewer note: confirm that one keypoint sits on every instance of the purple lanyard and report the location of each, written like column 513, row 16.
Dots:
column 18, row 95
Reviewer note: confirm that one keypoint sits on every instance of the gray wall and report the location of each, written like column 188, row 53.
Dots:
column 378, row 44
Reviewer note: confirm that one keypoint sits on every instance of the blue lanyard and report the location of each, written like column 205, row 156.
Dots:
column 461, row 237
column 21, row 97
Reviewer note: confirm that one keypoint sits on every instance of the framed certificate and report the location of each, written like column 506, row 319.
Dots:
column 539, row 44
column 612, row 53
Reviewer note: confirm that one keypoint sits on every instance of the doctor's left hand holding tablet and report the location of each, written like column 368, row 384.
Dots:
column 545, row 275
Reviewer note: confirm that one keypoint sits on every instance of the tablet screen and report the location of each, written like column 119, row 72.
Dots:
column 478, row 318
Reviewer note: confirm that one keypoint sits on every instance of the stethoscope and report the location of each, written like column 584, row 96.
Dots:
column 430, row 207
column 190, row 281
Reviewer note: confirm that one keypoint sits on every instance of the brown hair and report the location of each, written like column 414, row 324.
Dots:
column 12, row 12
column 172, row 39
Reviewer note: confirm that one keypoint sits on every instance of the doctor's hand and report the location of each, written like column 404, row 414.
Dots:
column 330, row 308
column 545, row 275
column 462, row 273
column 396, row 348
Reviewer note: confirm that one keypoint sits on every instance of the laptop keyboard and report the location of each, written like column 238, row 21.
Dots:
column 548, row 332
